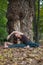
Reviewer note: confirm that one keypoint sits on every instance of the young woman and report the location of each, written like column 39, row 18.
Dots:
column 21, row 37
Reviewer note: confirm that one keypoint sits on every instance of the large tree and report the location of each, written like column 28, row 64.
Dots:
column 20, row 15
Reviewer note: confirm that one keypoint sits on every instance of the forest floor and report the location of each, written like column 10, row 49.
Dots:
column 21, row 56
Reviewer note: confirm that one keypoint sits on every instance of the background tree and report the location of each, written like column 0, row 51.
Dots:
column 39, row 18
column 3, row 20
column 20, row 15
column 25, row 19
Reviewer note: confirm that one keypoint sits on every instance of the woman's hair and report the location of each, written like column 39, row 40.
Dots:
column 14, row 39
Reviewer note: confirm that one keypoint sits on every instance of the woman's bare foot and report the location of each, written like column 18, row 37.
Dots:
column 6, row 44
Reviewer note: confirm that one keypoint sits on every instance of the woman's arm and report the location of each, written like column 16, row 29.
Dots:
column 10, row 35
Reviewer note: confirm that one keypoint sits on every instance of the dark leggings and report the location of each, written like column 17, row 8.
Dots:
column 17, row 45
column 21, row 45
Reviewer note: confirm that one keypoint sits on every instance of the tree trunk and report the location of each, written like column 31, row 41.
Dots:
column 20, row 16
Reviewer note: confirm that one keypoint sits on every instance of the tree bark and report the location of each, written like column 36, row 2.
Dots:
column 20, row 15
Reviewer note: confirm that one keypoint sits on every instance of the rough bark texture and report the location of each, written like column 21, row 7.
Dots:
column 21, row 56
column 20, row 16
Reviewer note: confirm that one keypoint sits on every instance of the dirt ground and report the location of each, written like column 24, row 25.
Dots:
column 21, row 56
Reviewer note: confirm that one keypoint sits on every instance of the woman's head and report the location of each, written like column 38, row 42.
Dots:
column 14, row 36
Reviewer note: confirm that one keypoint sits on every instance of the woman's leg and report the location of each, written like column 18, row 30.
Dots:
column 32, row 44
column 17, row 46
